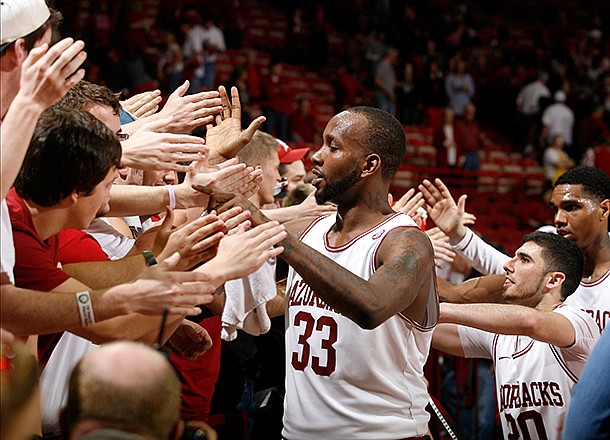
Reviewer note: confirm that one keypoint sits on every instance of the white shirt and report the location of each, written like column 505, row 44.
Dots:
column 343, row 382
column 529, row 97
column 7, row 262
column 534, row 380
column 560, row 120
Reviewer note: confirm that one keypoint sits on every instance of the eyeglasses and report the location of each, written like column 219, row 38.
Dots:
column 122, row 136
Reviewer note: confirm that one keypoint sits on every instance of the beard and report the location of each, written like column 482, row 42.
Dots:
column 330, row 191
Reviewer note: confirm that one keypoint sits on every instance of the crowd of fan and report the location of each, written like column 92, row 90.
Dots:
column 403, row 58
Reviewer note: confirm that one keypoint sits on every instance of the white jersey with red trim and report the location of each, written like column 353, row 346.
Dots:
column 343, row 382
column 594, row 298
column 591, row 296
column 534, row 380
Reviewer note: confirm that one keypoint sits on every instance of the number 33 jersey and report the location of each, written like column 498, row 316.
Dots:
column 344, row 382
column 534, row 380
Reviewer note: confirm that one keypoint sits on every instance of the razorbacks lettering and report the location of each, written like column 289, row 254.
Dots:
column 530, row 394
column 302, row 295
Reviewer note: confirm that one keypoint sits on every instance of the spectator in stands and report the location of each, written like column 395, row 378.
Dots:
column 459, row 87
column 555, row 161
column 143, row 400
column 528, row 108
column 349, row 89
column 170, row 68
column 213, row 44
column 407, row 97
column 277, row 103
column 444, row 141
column 592, row 130
column 432, row 86
column 193, row 49
column 385, row 82
column 317, row 37
column 255, row 82
column 302, row 123
column 468, row 137
column 557, row 118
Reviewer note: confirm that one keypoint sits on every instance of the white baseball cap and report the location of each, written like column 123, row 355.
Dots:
column 21, row 18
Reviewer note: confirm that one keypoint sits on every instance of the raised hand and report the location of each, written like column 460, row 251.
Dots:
column 243, row 252
column 143, row 104
column 225, row 138
column 196, row 241
column 442, row 249
column 448, row 215
column 227, row 177
column 184, row 113
column 410, row 203
column 152, row 148
column 160, row 287
column 48, row 73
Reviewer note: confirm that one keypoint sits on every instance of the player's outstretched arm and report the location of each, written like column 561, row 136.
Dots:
column 446, row 338
column 486, row 289
column 510, row 319
column 401, row 283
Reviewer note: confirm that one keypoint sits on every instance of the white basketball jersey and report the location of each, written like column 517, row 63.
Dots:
column 534, row 380
column 594, row 298
column 343, row 382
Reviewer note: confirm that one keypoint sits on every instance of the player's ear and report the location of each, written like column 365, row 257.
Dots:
column 555, row 279
column 604, row 210
column 371, row 164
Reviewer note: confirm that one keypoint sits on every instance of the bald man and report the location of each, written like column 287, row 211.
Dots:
column 124, row 390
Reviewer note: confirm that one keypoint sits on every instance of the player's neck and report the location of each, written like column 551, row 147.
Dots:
column 352, row 221
column 597, row 259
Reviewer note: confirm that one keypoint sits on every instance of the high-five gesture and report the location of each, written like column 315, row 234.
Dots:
column 448, row 215
column 225, row 138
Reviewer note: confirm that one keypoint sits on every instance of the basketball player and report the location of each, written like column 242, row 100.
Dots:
column 361, row 298
column 539, row 346
column 581, row 202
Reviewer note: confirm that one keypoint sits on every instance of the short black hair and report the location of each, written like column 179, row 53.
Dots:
column 70, row 151
column 85, row 95
column 594, row 182
column 384, row 136
column 560, row 255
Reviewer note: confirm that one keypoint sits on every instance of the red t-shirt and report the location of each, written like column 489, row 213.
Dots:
column 36, row 260
column 77, row 246
column 199, row 377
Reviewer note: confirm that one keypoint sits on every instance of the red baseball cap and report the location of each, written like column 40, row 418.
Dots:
column 289, row 155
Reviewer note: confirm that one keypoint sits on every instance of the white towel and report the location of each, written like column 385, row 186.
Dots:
column 245, row 301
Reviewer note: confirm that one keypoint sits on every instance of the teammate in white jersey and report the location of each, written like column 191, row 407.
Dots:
column 581, row 202
column 361, row 299
column 539, row 346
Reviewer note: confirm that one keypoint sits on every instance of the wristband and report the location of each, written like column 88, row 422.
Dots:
column 149, row 258
column 172, row 196
column 85, row 308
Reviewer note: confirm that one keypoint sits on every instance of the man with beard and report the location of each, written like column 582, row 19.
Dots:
column 361, row 296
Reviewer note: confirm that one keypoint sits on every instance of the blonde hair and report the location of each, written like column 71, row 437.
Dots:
column 260, row 150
